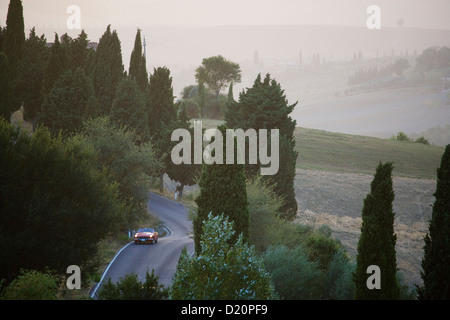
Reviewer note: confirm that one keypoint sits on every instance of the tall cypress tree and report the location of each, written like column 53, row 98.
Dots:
column 138, row 69
column 13, row 46
column 107, row 70
column 436, row 260
column 56, row 65
column 14, row 34
column 128, row 108
column 30, row 75
column 376, row 244
column 264, row 106
column 162, row 117
column 223, row 190
column 5, row 88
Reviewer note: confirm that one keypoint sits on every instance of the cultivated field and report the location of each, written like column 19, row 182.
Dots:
column 336, row 199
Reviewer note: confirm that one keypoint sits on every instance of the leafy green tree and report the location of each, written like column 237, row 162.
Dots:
column 128, row 108
column 130, row 288
column 321, row 249
column 65, row 105
column 6, row 94
column 263, row 207
column 107, row 70
column 184, row 174
column 217, row 73
column 436, row 260
column 32, row 285
column 30, row 76
column 55, row 204
column 138, row 69
column 295, row 277
column 200, row 102
column 338, row 282
column 264, row 106
column 130, row 165
column 376, row 244
column 222, row 271
column 222, row 191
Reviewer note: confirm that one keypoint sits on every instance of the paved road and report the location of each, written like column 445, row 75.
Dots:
column 163, row 256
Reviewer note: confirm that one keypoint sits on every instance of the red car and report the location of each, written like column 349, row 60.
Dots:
column 144, row 235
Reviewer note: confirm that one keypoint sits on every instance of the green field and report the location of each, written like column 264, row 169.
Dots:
column 329, row 151
column 322, row 150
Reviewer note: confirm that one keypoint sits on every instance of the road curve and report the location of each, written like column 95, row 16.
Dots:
column 162, row 256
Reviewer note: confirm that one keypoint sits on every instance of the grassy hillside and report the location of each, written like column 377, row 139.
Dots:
column 338, row 152
column 329, row 151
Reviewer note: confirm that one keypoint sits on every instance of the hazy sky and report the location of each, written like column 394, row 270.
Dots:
column 98, row 13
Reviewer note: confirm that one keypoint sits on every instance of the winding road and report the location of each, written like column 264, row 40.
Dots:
column 162, row 256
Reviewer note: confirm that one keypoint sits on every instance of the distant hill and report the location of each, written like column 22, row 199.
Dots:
column 322, row 150
column 337, row 152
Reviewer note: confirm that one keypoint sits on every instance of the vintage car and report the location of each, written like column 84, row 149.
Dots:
column 146, row 235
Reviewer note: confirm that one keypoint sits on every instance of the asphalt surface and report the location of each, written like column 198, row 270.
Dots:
column 162, row 256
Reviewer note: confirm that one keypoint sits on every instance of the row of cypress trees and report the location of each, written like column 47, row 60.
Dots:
column 376, row 245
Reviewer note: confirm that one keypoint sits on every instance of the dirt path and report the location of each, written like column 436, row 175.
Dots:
column 336, row 199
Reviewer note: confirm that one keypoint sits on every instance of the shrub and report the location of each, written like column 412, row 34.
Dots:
column 32, row 285
column 130, row 288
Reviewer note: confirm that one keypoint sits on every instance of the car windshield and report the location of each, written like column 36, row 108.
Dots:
column 146, row 230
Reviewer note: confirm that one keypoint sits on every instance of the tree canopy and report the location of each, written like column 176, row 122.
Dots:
column 217, row 73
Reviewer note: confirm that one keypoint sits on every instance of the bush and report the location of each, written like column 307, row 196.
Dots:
column 264, row 206
column 130, row 288
column 294, row 276
column 422, row 140
column 32, row 285
column 401, row 136
column 222, row 271
column 338, row 282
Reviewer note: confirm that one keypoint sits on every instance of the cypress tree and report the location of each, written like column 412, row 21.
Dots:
column 264, row 106
column 56, row 65
column 30, row 75
column 14, row 34
column 436, row 260
column 222, row 191
column 64, row 107
column 162, row 117
column 5, row 88
column 376, row 244
column 13, row 46
column 107, row 70
column 138, row 70
column 79, row 52
column 128, row 108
